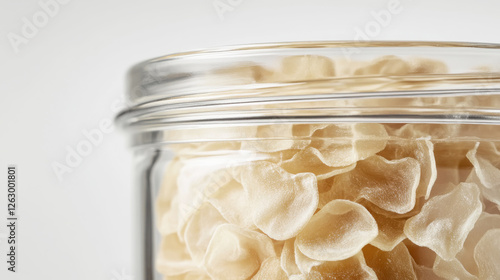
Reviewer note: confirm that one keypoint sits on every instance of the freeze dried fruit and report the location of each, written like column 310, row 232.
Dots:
column 310, row 160
column 270, row 269
column 232, row 203
column 487, row 255
column 423, row 151
column 282, row 203
column 337, row 232
column 235, row 253
column 200, row 229
column 390, row 231
column 394, row 264
column 354, row 267
column 446, row 220
column 390, row 185
column 345, row 144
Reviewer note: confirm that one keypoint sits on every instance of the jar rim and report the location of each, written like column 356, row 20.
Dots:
column 181, row 89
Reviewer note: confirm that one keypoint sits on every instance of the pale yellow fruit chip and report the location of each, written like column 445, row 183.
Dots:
column 423, row 151
column 395, row 264
column 425, row 273
column 491, row 195
column 199, row 230
column 422, row 256
column 173, row 257
column 487, row 173
column 281, row 137
column 390, row 185
column 445, row 221
column 287, row 258
column 390, row 231
column 282, row 203
column 310, row 160
column 344, row 144
column 235, row 253
column 487, row 255
column 270, row 269
column 452, row 269
column 307, row 130
column 484, row 223
column 304, row 263
column 232, row 202
column 200, row 178
column 354, row 268
column 324, row 240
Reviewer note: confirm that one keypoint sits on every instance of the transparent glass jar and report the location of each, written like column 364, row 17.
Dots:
column 318, row 160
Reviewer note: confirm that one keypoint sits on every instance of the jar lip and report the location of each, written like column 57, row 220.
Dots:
column 189, row 87
column 319, row 45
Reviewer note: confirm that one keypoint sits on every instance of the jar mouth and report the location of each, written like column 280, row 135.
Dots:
column 243, row 85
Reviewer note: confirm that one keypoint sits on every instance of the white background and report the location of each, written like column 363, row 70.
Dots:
column 70, row 75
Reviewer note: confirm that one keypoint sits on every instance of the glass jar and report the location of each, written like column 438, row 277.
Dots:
column 318, row 160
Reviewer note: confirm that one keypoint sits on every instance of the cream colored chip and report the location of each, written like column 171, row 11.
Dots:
column 304, row 263
column 452, row 270
column 390, row 231
column 232, row 202
column 491, row 195
column 282, row 203
column 487, row 255
column 307, row 130
column 423, row 151
column 287, row 258
column 445, row 221
column 281, row 137
column 425, row 273
column 235, row 253
column 390, row 185
column 484, row 223
column 464, row 266
column 173, row 258
column 310, row 160
column 270, row 269
column 394, row 264
column 354, row 268
column 341, row 145
column 323, row 239
column 199, row 179
column 422, row 256
column 199, row 230
column 484, row 171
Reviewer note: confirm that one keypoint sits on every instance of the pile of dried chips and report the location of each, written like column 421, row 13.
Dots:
column 334, row 201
